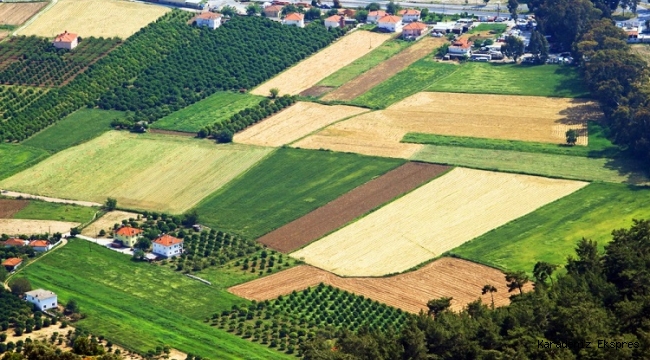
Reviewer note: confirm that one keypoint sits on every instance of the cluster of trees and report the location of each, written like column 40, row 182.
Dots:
column 82, row 346
column 268, row 259
column 15, row 99
column 12, row 309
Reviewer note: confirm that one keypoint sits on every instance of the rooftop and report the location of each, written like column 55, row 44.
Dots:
column 12, row 262
column 167, row 240
column 415, row 26
column 390, row 19
column 209, row 16
column 40, row 293
column 128, row 231
column 39, row 243
column 66, row 37
column 294, row 17
column 14, row 242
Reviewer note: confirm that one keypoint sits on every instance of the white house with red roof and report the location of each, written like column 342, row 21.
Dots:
column 335, row 21
column 14, row 242
column 66, row 40
column 460, row 48
column 410, row 15
column 374, row 16
column 390, row 23
column 12, row 264
column 209, row 19
column 414, row 29
column 127, row 235
column 294, row 19
column 40, row 245
column 167, row 246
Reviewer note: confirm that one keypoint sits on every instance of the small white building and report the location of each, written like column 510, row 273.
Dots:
column 335, row 21
column 66, row 40
column 294, row 19
column 209, row 19
column 167, row 246
column 390, row 23
column 43, row 299
column 409, row 15
column 374, row 16
column 40, row 245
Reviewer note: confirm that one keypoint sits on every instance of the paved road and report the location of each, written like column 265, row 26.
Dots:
column 48, row 199
column 488, row 10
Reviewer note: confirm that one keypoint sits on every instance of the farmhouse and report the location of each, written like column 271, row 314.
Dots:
column 167, row 246
column 413, row 30
column 294, row 19
column 14, row 242
column 209, row 19
column 43, row 299
column 390, row 23
column 374, row 16
column 127, row 235
column 460, row 48
column 12, row 264
column 335, row 21
column 40, row 245
column 66, row 40
column 410, row 15
column 273, row 11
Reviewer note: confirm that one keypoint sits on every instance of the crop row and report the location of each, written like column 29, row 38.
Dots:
column 14, row 99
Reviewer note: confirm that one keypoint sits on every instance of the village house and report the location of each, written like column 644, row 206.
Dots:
column 12, row 264
column 413, row 30
column 209, row 19
column 374, row 16
column 335, row 21
column 348, row 13
column 294, row 19
column 14, row 242
column 460, row 48
column 66, row 40
column 40, row 245
column 127, row 235
column 409, row 15
column 43, row 299
column 273, row 11
column 390, row 23
column 167, row 246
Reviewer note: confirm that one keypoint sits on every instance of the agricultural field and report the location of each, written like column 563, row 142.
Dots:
column 257, row 202
column 324, row 63
column 41, row 210
column 18, row 13
column 106, row 222
column 387, row 69
column 15, row 158
column 435, row 218
column 350, row 206
column 140, row 171
column 14, row 99
column 99, row 18
column 81, row 126
column 297, row 121
column 8, row 207
column 31, row 227
column 552, row 232
column 460, row 279
column 496, row 28
column 110, row 289
column 214, row 109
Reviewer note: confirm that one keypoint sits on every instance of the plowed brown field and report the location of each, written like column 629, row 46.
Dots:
column 350, row 206
column 8, row 207
column 18, row 13
column 385, row 70
column 460, row 279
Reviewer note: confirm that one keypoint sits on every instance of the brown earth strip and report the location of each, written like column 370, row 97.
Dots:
column 385, row 70
column 350, row 206
column 460, row 279
column 9, row 207
column 316, row 91
column 18, row 13
column 172, row 132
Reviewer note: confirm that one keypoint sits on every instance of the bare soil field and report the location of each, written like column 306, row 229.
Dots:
column 316, row 91
column 29, row 227
column 8, row 207
column 460, row 279
column 324, row 63
column 385, row 70
column 107, row 18
column 293, row 123
column 433, row 219
column 18, row 13
column 350, row 206
column 106, row 222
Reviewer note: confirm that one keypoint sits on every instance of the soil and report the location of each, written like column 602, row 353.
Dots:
column 350, row 206
column 171, row 132
column 16, row 14
column 316, row 91
column 8, row 207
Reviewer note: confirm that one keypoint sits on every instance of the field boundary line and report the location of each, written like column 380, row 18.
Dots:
column 326, row 126
column 34, row 17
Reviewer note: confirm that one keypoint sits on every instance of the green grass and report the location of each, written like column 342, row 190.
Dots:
column 415, row 78
column 15, row 158
column 213, row 109
column 286, row 185
column 599, row 146
column 511, row 79
column 497, row 28
column 141, row 306
column 617, row 170
column 40, row 210
column 78, row 127
column 365, row 63
column 551, row 233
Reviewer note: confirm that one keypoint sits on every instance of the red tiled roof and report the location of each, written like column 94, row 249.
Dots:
column 409, row 12
column 273, row 8
column 294, row 17
column 128, row 231
column 14, row 242
column 12, row 262
column 209, row 16
column 462, row 43
column 415, row 26
column 377, row 13
column 39, row 243
column 390, row 19
column 167, row 240
column 66, row 37
column 334, row 18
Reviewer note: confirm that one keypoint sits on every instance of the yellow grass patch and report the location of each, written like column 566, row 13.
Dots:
column 149, row 172
column 295, row 122
column 107, row 221
column 29, row 227
column 324, row 63
column 431, row 220
column 107, row 18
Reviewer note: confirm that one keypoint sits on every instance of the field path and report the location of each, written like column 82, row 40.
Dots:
column 16, row 194
column 385, row 70
column 64, row 240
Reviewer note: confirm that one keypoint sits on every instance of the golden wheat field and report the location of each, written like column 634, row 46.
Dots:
column 149, row 172
column 324, row 63
column 107, row 18
column 29, row 227
column 293, row 123
column 431, row 220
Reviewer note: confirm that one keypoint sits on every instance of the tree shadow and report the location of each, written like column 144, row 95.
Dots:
column 635, row 171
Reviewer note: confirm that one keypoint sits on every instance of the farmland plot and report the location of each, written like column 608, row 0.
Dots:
column 431, row 220
column 18, row 13
column 324, row 63
column 107, row 221
column 8, row 207
column 29, row 227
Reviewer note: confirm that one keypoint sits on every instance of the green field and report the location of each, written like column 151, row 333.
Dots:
column 599, row 146
column 619, row 170
column 365, row 63
column 551, row 233
column 286, row 185
column 141, row 306
column 213, row 109
column 511, row 79
column 81, row 126
column 15, row 158
column 497, row 28
column 40, row 210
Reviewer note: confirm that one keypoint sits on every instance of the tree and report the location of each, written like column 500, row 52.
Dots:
column 373, row 6
column 291, row 8
column 337, row 4
column 274, row 93
column 486, row 1
column 253, row 9
column 512, row 8
column 224, row 136
column 571, row 136
column 513, row 47
column 538, row 46
column 392, row 8
column 190, row 218
column 229, row 11
column 543, row 271
column 312, row 14
column 20, row 286
column 361, row 16
column 138, row 254
column 3, row 274
column 489, row 289
column 436, row 306
column 424, row 13
column 516, row 280
column 72, row 307
column 110, row 204
column 143, row 243
column 75, row 231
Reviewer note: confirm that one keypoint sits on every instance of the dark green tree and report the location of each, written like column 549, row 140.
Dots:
column 516, row 280
column 489, row 289
column 571, row 136
column 513, row 5
column 513, row 47
column 392, row 8
column 538, row 46
column 543, row 271
column 436, row 306
column 373, row 6
column 110, row 204
column 20, row 286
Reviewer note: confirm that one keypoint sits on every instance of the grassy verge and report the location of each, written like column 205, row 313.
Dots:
column 40, row 210
column 551, row 233
column 286, row 185
column 497, row 28
column 15, row 158
column 141, row 306
column 81, row 126
column 215, row 108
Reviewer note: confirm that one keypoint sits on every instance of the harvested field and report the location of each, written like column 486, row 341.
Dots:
column 317, row 67
column 293, row 123
column 316, row 91
column 8, row 207
column 350, row 206
column 18, row 13
column 460, row 279
column 107, row 221
column 107, row 18
column 29, row 227
column 431, row 220
column 385, row 70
